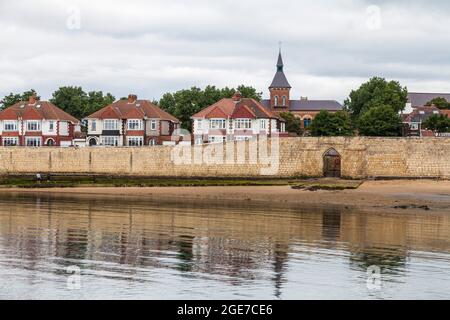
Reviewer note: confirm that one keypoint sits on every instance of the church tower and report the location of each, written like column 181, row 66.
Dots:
column 280, row 89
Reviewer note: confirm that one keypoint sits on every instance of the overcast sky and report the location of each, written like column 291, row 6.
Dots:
column 151, row 47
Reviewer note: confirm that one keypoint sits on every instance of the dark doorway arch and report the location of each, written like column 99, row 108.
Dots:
column 92, row 142
column 50, row 142
column 332, row 164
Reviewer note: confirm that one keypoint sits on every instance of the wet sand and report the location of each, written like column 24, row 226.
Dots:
column 393, row 194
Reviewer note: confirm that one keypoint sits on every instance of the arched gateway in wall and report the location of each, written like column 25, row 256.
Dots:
column 332, row 164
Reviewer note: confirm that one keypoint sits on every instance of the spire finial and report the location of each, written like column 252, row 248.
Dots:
column 280, row 61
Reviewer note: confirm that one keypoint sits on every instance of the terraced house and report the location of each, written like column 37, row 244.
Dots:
column 130, row 122
column 235, row 119
column 36, row 123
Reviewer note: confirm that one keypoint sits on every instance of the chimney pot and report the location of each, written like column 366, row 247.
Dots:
column 237, row 96
column 32, row 99
column 132, row 98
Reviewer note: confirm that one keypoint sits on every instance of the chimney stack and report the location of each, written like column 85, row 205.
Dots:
column 237, row 96
column 132, row 98
column 32, row 99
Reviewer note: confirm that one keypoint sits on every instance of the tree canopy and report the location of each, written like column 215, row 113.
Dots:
column 13, row 98
column 75, row 101
column 438, row 123
column 439, row 102
column 327, row 124
column 380, row 121
column 293, row 124
column 183, row 104
column 375, row 93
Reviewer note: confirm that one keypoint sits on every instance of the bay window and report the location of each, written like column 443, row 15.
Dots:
column 10, row 126
column 10, row 141
column 243, row 123
column 134, row 124
column 33, row 141
column 217, row 124
column 110, row 124
column 135, row 141
column 110, row 141
column 33, row 125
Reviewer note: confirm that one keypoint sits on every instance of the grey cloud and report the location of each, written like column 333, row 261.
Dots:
column 150, row 47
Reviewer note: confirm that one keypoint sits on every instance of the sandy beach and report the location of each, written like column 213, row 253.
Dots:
column 391, row 194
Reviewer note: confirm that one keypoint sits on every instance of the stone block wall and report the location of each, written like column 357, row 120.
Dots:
column 291, row 157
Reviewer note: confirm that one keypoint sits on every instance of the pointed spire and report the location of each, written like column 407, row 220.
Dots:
column 280, row 64
column 280, row 80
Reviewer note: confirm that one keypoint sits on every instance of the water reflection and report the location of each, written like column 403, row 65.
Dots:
column 213, row 250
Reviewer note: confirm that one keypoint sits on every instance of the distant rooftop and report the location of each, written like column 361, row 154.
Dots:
column 420, row 99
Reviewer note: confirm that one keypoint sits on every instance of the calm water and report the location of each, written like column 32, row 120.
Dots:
column 150, row 250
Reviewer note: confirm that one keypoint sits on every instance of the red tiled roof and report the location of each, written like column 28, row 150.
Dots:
column 37, row 111
column 245, row 108
column 122, row 109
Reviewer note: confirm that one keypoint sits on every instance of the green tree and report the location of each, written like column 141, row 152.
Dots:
column 381, row 121
column 183, row 104
column 438, row 123
column 13, row 98
column 293, row 124
column 96, row 101
column 439, row 102
column 327, row 124
column 75, row 101
column 374, row 93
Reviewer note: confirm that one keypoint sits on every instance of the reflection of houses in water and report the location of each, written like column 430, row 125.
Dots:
column 238, row 242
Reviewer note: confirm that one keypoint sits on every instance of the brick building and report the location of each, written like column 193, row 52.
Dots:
column 37, row 123
column 130, row 122
column 235, row 119
column 281, row 100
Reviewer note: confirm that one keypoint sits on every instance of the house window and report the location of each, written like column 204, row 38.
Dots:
column 283, row 127
column 276, row 100
column 414, row 126
column 33, row 126
column 217, row 139
column 33, row 141
column 153, row 125
column 263, row 124
column 10, row 126
column 110, row 141
column 199, row 124
column 135, row 141
column 217, row 124
column 94, row 125
column 110, row 124
column 307, row 123
column 51, row 126
column 243, row 123
column 134, row 124
column 10, row 141
column 284, row 101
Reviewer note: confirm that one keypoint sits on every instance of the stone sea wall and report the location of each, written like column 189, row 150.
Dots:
column 286, row 157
